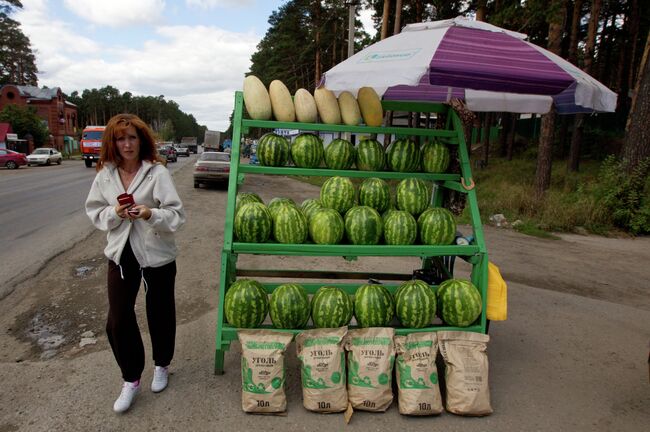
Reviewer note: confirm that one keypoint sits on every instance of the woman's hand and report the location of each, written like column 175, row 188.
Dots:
column 121, row 210
column 140, row 211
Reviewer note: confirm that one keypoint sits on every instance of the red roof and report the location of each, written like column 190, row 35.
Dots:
column 5, row 128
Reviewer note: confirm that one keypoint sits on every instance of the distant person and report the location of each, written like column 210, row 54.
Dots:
column 140, row 247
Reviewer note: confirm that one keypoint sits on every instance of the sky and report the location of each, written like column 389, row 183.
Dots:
column 194, row 52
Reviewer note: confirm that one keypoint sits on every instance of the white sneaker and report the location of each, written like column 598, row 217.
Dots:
column 129, row 390
column 160, row 379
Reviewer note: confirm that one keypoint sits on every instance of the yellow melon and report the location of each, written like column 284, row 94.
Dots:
column 328, row 106
column 370, row 106
column 281, row 102
column 305, row 105
column 256, row 98
column 350, row 113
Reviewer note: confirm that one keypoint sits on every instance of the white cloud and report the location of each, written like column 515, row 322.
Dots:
column 365, row 16
column 211, row 4
column 199, row 67
column 117, row 13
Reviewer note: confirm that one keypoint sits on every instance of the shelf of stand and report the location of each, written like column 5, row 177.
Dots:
column 323, row 172
column 352, row 250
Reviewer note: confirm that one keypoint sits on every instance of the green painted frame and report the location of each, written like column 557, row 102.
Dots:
column 475, row 253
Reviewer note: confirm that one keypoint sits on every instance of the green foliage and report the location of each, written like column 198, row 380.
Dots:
column 97, row 106
column 626, row 195
column 24, row 120
column 17, row 61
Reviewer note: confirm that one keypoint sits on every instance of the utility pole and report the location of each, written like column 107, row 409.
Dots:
column 352, row 12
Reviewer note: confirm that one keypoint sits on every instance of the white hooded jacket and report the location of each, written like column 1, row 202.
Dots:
column 152, row 240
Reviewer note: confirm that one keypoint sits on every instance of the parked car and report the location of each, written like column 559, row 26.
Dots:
column 169, row 153
column 12, row 159
column 211, row 167
column 44, row 156
column 182, row 151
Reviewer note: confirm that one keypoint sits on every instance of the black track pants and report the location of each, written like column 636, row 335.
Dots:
column 122, row 325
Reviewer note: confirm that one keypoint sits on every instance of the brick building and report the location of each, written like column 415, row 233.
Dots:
column 59, row 115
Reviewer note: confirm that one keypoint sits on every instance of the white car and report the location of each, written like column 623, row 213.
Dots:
column 44, row 156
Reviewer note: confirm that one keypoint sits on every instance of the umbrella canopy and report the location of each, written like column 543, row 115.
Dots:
column 491, row 68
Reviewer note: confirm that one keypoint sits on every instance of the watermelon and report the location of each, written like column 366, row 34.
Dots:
column 375, row 193
column 437, row 226
column 246, row 197
column 412, row 195
column 275, row 203
column 339, row 154
column 253, row 223
column 403, row 155
column 331, row 307
column 435, row 157
column 370, row 155
column 337, row 193
column 415, row 304
column 400, row 228
column 326, row 226
column 363, row 225
column 289, row 225
column 373, row 306
column 246, row 304
column 459, row 302
column 289, row 306
column 273, row 150
column 309, row 206
column 307, row 151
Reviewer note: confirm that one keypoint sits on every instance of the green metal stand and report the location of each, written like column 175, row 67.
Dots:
column 475, row 253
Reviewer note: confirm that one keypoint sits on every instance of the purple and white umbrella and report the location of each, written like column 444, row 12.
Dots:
column 491, row 68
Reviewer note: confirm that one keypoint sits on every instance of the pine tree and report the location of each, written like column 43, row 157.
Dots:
column 17, row 61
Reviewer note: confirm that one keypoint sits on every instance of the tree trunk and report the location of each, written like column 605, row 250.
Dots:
column 576, row 136
column 418, row 10
column 575, row 26
column 511, row 136
column 545, row 154
column 481, row 9
column 637, row 135
column 545, row 149
column 503, row 137
column 317, row 68
column 384, row 20
column 398, row 17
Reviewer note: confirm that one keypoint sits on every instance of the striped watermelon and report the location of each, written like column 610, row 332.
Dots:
column 400, row 228
column 246, row 304
column 326, row 226
column 415, row 304
column 289, row 306
column 375, row 193
column 337, row 193
column 387, row 213
column 289, row 225
column 373, row 306
column 370, row 155
column 412, row 196
column 309, row 206
column 437, row 226
column 339, row 154
column 246, row 197
column 253, row 223
column 403, row 155
column 459, row 302
column 363, row 225
column 331, row 307
column 435, row 157
column 275, row 204
column 273, row 150
column 307, row 151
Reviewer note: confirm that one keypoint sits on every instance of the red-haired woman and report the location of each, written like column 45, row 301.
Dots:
column 140, row 247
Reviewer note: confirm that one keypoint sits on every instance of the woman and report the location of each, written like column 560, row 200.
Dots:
column 140, row 246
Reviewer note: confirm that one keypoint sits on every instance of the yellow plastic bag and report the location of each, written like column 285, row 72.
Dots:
column 497, row 295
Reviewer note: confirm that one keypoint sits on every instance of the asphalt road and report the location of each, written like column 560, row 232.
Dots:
column 42, row 214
